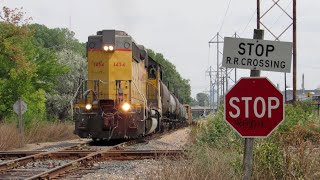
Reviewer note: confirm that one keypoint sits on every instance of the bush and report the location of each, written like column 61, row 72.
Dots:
column 268, row 160
column 217, row 133
column 204, row 162
column 300, row 113
column 290, row 152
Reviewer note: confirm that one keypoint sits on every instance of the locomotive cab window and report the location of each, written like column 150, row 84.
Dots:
column 152, row 72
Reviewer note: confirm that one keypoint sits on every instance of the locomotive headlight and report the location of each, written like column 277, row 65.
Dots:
column 126, row 106
column 111, row 48
column 105, row 47
column 88, row 106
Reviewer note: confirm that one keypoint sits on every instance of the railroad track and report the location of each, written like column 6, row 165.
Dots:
column 44, row 168
column 56, row 164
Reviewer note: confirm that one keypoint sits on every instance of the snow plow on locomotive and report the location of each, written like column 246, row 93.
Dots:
column 124, row 96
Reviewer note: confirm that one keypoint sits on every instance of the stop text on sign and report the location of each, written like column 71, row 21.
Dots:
column 257, row 54
column 266, row 107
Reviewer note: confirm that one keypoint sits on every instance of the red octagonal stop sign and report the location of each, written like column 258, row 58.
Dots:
column 254, row 107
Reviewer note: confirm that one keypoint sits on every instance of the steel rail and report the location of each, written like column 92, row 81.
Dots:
column 72, row 165
column 115, row 152
column 24, row 160
column 108, row 155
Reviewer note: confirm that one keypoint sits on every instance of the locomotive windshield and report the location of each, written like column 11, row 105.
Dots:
column 152, row 72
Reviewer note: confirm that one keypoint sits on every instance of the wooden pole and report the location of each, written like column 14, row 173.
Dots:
column 294, row 53
column 248, row 144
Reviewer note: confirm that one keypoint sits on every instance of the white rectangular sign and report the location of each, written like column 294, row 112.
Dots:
column 257, row 54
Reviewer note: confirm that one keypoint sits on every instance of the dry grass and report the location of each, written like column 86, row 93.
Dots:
column 301, row 152
column 302, row 162
column 38, row 132
column 202, row 163
column 9, row 136
column 49, row 132
column 293, row 154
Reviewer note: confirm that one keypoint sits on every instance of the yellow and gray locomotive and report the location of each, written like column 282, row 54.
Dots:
column 124, row 96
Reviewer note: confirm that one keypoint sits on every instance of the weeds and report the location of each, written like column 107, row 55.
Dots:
column 291, row 152
column 37, row 132
column 203, row 163
column 9, row 136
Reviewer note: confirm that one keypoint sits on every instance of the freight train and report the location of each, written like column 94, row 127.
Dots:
column 124, row 96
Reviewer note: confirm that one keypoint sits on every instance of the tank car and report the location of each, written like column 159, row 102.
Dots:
column 124, row 96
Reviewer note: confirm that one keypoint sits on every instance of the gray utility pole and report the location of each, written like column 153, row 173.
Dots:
column 210, row 84
column 218, row 84
column 213, row 96
column 248, row 148
column 216, row 40
column 303, row 84
column 209, row 73
column 219, row 75
column 293, row 17
column 222, row 81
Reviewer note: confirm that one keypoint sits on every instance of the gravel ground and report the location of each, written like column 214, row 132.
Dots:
column 173, row 141
column 121, row 170
column 45, row 165
column 136, row 169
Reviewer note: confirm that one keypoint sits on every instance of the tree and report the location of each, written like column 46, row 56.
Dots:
column 194, row 102
column 58, row 104
column 57, row 39
column 203, row 99
column 26, row 70
column 70, row 53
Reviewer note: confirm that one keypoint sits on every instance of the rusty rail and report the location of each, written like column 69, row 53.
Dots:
column 84, row 157
column 29, row 158
column 108, row 155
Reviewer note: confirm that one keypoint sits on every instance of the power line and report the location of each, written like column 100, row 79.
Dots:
column 225, row 14
column 248, row 22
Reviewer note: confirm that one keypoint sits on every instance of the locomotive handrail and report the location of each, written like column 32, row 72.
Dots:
column 144, row 99
column 77, row 91
column 104, row 82
column 74, row 96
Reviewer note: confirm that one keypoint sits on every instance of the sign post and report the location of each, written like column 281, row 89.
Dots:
column 20, row 108
column 248, row 147
column 254, row 106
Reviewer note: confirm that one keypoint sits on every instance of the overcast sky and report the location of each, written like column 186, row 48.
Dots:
column 181, row 29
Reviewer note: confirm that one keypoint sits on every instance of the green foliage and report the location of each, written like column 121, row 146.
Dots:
column 203, row 99
column 268, row 160
column 194, row 102
column 297, row 114
column 56, row 39
column 58, row 104
column 217, row 133
column 69, row 52
column 26, row 69
column 36, row 107
column 177, row 84
column 283, row 155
